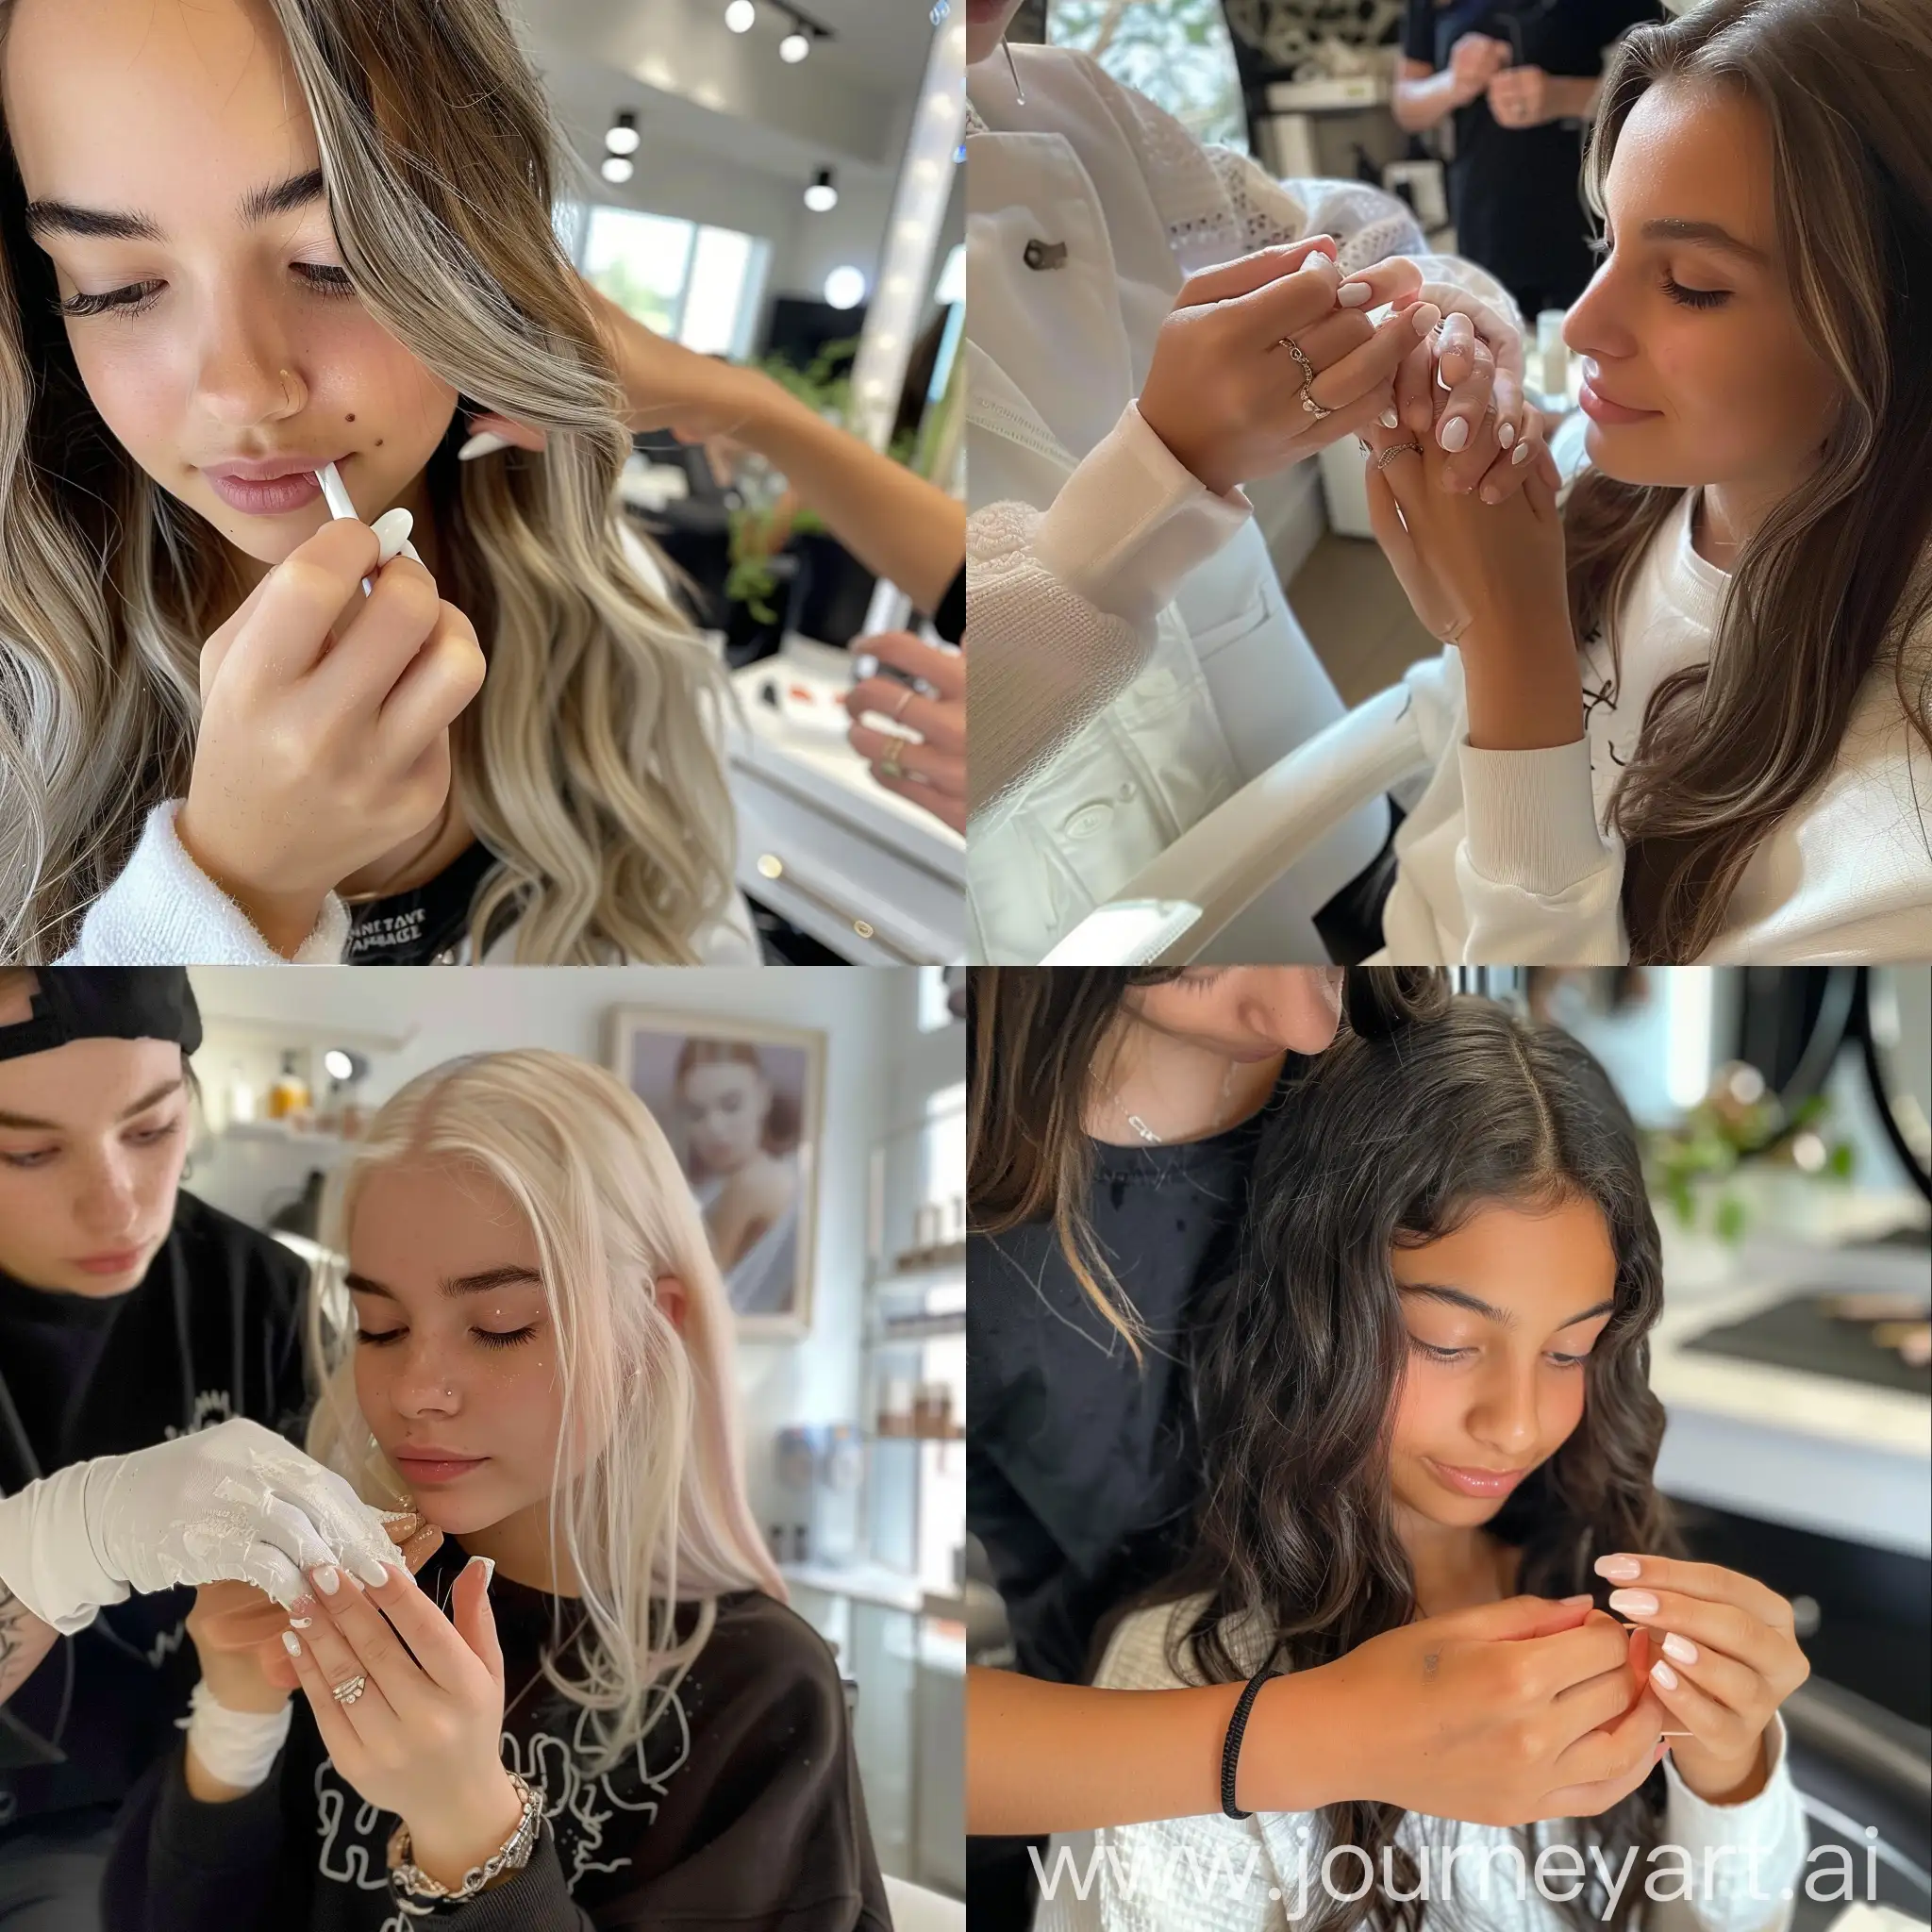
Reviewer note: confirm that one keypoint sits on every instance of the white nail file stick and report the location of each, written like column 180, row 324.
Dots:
column 339, row 504
column 392, row 527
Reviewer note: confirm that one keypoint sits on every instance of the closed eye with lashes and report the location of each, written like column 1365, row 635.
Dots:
column 489, row 1338
column 1457, row 1355
column 322, row 279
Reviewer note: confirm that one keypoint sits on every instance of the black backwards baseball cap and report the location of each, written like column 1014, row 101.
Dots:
column 105, row 1003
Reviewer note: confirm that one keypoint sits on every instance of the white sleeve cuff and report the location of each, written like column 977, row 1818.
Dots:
column 1752, row 1852
column 1132, row 521
column 1530, row 818
column 164, row 910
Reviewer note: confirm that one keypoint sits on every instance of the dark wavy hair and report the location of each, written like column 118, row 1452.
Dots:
column 1407, row 1127
column 1035, row 1036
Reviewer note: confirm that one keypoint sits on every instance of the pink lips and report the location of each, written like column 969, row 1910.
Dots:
column 436, row 1469
column 270, row 486
column 1600, row 408
column 1476, row 1482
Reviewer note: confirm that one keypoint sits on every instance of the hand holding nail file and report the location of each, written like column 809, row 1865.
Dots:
column 392, row 527
column 324, row 747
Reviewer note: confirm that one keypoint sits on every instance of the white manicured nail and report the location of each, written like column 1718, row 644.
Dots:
column 291, row 1643
column 1454, row 433
column 392, row 529
column 1664, row 1674
column 1505, row 434
column 372, row 1573
column 327, row 1581
column 1520, row 454
column 488, row 1564
column 301, row 1623
column 1353, row 294
column 1390, row 420
column 1681, row 1648
column 485, row 443
column 1424, row 315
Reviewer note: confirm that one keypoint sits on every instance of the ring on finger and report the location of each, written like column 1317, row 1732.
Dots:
column 905, row 697
column 1310, row 405
column 890, row 766
column 1302, row 363
column 348, row 1693
column 1395, row 450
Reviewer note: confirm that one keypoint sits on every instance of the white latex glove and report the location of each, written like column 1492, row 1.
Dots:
column 231, row 1503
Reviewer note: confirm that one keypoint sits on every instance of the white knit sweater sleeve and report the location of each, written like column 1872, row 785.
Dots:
column 1741, row 1863
column 164, row 910
column 1540, row 885
column 1061, row 604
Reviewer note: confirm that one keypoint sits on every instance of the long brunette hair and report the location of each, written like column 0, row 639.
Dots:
column 1835, row 581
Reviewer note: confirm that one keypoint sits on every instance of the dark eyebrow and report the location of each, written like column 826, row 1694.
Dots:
column 1459, row 1298
column 29, row 1124
column 513, row 1276
column 121, row 225
column 1670, row 229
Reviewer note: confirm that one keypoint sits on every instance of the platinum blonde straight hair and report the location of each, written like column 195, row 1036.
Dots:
column 657, row 1514
column 588, row 764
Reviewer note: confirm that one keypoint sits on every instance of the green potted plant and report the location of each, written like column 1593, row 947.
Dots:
column 1740, row 1155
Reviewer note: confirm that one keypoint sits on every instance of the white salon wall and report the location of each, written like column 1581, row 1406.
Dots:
column 874, row 1074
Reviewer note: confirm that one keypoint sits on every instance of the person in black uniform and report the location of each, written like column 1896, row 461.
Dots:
column 1521, row 77
column 130, row 1314
column 1113, row 1116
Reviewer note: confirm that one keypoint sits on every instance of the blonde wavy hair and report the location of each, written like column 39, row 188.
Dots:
column 588, row 764
column 657, row 1514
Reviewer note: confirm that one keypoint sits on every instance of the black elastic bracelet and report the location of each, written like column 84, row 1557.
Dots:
column 1231, row 1751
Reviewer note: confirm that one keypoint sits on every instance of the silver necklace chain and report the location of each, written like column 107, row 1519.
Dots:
column 1154, row 1139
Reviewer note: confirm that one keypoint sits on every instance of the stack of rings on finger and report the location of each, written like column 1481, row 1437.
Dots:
column 348, row 1693
column 1309, row 372
column 889, row 764
column 1395, row 450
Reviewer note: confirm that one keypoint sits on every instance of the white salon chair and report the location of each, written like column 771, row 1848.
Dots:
column 1216, row 868
column 915, row 1909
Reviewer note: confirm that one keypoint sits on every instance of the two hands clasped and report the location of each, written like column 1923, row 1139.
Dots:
column 1572, row 1712
column 1272, row 357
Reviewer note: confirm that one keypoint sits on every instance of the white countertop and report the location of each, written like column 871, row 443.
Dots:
column 1845, row 1458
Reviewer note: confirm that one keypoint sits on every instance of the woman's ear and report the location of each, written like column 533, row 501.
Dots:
column 671, row 1298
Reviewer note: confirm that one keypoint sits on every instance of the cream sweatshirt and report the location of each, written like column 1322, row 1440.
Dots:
column 1504, row 859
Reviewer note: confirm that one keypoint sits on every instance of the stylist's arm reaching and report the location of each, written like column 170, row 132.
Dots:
column 234, row 1501
column 324, row 728
column 895, row 523
column 1502, row 1714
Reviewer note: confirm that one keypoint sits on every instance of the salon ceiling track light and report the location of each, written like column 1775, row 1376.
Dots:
column 805, row 30
column 821, row 197
column 620, row 144
column 741, row 16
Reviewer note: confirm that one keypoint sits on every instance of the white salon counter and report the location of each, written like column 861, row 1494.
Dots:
column 1817, row 1452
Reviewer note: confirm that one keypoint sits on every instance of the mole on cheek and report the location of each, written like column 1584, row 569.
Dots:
column 379, row 442
column 350, row 418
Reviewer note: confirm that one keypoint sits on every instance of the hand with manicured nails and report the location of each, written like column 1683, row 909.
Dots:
column 1501, row 1714
column 934, row 762
column 1488, row 578
column 1224, row 394
column 424, row 1738
column 237, row 1631
column 1724, row 1657
column 325, row 727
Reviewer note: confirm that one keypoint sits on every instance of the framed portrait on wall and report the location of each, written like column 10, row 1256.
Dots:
column 741, row 1102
